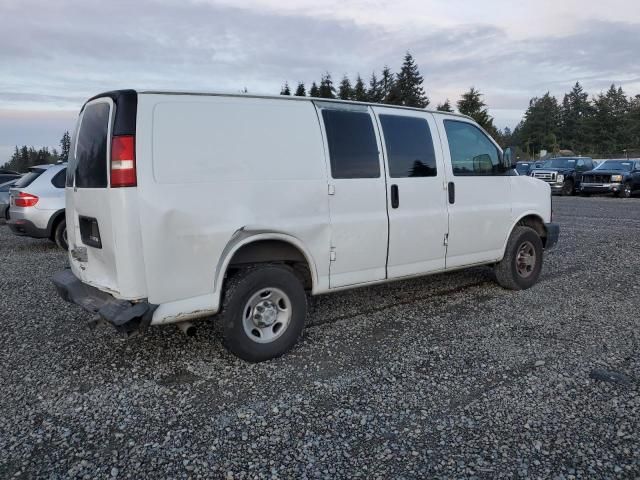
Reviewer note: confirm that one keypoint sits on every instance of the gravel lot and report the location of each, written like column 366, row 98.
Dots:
column 447, row 376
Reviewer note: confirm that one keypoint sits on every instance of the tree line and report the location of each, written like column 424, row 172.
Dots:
column 405, row 87
column 24, row 157
column 606, row 124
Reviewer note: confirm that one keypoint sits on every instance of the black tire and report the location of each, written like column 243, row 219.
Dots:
column 237, row 311
column 568, row 188
column 6, row 214
column 626, row 191
column 509, row 271
column 60, row 234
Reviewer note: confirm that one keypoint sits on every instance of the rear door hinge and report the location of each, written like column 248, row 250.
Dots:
column 446, row 240
column 332, row 254
column 331, row 189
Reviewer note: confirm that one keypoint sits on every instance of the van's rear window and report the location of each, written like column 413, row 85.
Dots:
column 28, row 179
column 91, row 150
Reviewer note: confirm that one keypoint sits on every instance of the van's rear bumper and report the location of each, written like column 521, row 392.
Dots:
column 122, row 314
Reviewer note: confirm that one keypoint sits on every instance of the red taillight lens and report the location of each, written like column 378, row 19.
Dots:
column 123, row 161
column 25, row 200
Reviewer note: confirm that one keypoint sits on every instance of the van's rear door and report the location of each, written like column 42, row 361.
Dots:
column 88, row 206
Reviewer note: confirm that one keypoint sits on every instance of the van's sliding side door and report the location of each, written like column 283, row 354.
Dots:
column 417, row 204
column 356, row 190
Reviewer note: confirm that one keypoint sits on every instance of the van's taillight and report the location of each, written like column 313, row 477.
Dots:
column 25, row 200
column 123, row 161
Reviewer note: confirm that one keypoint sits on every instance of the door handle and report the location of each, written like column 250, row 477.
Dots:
column 395, row 196
column 452, row 192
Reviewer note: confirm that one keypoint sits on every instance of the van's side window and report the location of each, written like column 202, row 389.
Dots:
column 353, row 149
column 409, row 146
column 472, row 153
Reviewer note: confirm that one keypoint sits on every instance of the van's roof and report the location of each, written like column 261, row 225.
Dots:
column 271, row 97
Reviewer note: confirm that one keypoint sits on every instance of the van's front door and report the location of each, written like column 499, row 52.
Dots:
column 479, row 194
column 416, row 198
column 357, row 200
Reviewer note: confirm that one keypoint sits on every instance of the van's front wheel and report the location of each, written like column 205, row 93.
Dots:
column 264, row 311
column 522, row 262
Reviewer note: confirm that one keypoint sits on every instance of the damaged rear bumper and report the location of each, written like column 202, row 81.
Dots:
column 122, row 314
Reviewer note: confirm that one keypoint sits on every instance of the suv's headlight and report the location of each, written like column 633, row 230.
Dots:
column 560, row 178
column 616, row 178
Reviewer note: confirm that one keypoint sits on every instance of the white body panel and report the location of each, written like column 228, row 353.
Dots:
column 220, row 165
column 215, row 173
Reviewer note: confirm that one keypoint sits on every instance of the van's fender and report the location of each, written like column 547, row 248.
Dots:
column 528, row 213
column 209, row 304
column 251, row 234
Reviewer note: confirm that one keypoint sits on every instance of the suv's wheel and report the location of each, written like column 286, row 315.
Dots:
column 6, row 214
column 60, row 235
column 567, row 187
column 522, row 262
column 264, row 310
column 626, row 190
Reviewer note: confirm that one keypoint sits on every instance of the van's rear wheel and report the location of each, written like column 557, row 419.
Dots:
column 522, row 262
column 60, row 235
column 264, row 311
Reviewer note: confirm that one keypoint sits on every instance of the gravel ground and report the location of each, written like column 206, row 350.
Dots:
column 447, row 376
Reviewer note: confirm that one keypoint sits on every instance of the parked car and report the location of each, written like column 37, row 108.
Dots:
column 4, row 198
column 525, row 168
column 275, row 197
column 37, row 204
column 7, row 175
column 621, row 177
column 563, row 173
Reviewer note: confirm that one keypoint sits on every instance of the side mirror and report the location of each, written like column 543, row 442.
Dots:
column 508, row 159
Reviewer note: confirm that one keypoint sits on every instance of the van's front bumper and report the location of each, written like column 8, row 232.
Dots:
column 122, row 314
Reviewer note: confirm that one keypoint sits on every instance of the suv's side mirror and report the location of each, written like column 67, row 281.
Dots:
column 507, row 159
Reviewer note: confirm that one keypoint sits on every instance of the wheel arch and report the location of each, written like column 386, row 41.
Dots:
column 262, row 246
column 532, row 220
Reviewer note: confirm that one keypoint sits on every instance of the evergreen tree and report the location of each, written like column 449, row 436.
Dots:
column 471, row 104
column 610, row 121
column 387, row 84
column 540, row 127
column 575, row 114
column 65, row 146
column 409, row 84
column 445, row 107
column 300, row 90
column 327, row 90
column 285, row 89
column 345, row 92
column 359, row 90
column 314, row 91
column 375, row 94
column 634, row 122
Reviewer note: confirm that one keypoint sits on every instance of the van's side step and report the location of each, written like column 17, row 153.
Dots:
column 123, row 315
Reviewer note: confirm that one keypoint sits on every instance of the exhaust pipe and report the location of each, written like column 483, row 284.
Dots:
column 188, row 328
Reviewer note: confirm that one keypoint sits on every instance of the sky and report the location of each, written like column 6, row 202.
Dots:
column 54, row 54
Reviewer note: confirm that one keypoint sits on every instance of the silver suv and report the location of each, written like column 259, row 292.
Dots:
column 36, row 204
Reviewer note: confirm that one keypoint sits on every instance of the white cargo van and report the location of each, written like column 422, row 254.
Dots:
column 184, row 205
